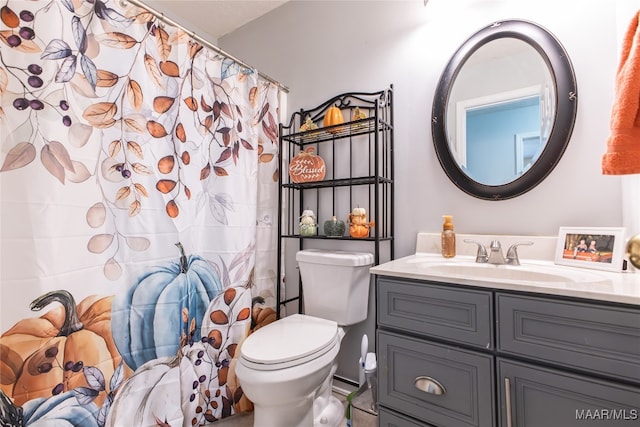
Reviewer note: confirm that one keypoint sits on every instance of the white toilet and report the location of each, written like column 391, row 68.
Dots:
column 286, row 368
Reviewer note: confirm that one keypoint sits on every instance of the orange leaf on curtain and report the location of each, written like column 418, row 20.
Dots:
column 112, row 126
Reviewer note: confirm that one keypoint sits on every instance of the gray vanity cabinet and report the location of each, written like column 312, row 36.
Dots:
column 391, row 419
column 600, row 339
column 457, row 314
column 456, row 356
column 424, row 372
column 585, row 362
column 535, row 396
column 446, row 385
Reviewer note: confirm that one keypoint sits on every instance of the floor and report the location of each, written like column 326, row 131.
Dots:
column 246, row 419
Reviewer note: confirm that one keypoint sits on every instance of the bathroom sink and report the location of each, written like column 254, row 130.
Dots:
column 546, row 274
column 498, row 272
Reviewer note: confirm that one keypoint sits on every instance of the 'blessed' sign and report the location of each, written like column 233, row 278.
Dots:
column 307, row 167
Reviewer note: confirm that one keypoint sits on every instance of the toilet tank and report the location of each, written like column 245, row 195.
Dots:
column 335, row 284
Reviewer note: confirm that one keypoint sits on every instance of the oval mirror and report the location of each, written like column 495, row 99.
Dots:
column 504, row 110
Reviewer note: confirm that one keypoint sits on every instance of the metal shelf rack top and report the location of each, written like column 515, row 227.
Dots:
column 359, row 173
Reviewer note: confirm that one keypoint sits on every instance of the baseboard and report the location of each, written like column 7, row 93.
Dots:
column 343, row 386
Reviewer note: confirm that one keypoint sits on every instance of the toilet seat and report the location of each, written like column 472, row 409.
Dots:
column 288, row 342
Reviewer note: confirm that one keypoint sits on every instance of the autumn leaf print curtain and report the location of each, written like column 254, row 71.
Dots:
column 138, row 200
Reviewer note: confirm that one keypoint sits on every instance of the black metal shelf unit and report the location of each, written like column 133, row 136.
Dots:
column 358, row 156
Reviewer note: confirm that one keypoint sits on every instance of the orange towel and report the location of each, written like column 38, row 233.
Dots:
column 623, row 147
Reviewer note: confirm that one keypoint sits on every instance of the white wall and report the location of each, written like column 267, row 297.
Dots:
column 323, row 48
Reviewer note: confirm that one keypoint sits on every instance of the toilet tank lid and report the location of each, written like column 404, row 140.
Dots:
column 345, row 258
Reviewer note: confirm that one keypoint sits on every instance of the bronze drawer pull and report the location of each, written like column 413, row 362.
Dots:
column 429, row 385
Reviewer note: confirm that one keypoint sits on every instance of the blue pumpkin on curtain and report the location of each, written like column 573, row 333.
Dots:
column 163, row 310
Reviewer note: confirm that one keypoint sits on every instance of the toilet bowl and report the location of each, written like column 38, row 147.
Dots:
column 286, row 368
column 283, row 366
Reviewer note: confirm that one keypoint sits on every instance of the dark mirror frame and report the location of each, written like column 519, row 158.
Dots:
column 556, row 58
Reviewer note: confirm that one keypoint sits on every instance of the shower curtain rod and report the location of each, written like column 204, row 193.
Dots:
column 202, row 41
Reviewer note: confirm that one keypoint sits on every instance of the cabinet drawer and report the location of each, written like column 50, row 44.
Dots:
column 602, row 339
column 389, row 419
column 541, row 397
column 462, row 315
column 466, row 378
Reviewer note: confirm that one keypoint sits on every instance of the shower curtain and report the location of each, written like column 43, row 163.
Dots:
column 138, row 178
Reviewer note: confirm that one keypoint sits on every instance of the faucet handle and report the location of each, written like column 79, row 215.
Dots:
column 481, row 256
column 512, row 252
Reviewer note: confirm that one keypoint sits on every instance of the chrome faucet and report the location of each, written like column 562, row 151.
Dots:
column 512, row 253
column 482, row 256
column 495, row 256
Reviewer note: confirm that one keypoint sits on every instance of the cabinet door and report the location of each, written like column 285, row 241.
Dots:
column 438, row 384
column 603, row 339
column 532, row 396
column 389, row 419
column 448, row 313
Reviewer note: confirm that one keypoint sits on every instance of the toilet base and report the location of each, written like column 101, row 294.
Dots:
column 299, row 415
column 327, row 409
column 332, row 414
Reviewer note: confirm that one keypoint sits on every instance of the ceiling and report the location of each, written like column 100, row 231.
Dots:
column 212, row 19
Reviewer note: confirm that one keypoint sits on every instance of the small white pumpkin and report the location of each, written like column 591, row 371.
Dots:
column 359, row 211
column 150, row 395
column 308, row 217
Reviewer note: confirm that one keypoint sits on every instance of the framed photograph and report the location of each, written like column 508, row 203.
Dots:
column 600, row 248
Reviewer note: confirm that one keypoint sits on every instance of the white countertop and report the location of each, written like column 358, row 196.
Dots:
column 622, row 287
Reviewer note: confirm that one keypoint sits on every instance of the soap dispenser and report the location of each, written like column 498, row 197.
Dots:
column 448, row 237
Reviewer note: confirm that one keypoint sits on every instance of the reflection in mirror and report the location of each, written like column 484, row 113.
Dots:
column 504, row 110
column 497, row 129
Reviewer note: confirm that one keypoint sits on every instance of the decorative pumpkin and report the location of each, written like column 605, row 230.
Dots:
column 152, row 318
column 359, row 231
column 61, row 410
column 308, row 226
column 359, row 115
column 359, row 211
column 309, row 129
column 307, row 167
column 45, row 355
column 358, row 226
column 308, row 125
column 260, row 315
column 333, row 117
column 358, row 216
column 151, row 393
column 194, row 387
column 334, row 227
column 308, row 217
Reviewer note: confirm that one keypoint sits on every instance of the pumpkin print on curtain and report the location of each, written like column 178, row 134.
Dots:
column 138, row 186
